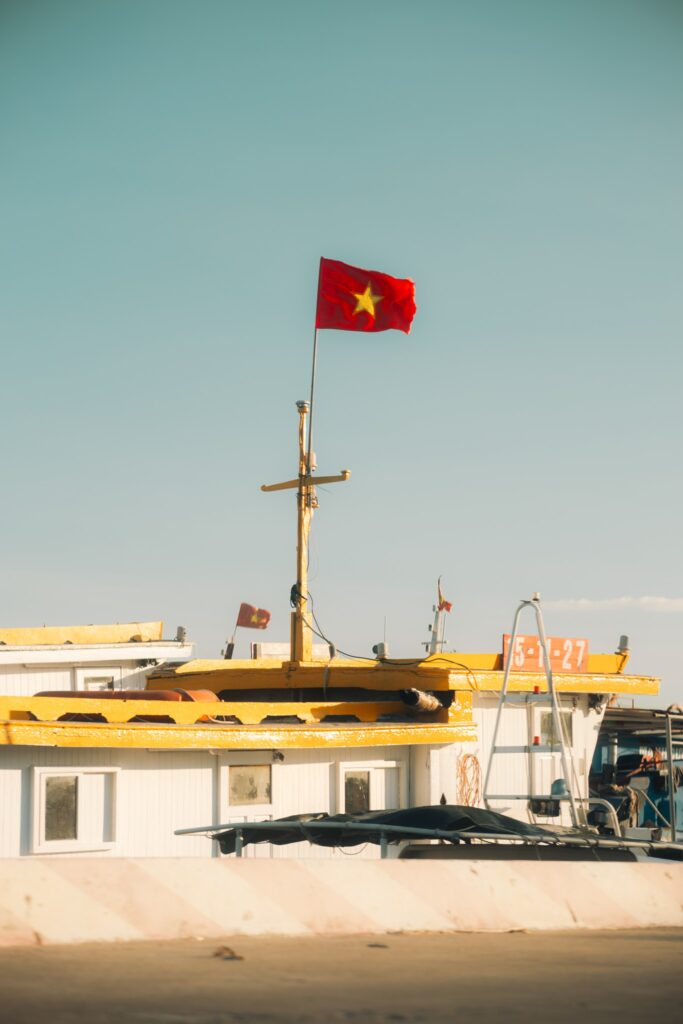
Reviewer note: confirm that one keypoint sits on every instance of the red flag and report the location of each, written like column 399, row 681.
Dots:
column 444, row 605
column 253, row 618
column 351, row 299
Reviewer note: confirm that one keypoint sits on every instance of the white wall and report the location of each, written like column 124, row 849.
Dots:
column 25, row 681
column 158, row 792
column 17, row 681
column 521, row 773
column 312, row 781
column 27, row 670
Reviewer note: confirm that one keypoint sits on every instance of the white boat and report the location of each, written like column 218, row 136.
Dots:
column 94, row 769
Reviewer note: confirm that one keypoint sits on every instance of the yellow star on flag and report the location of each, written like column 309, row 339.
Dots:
column 366, row 301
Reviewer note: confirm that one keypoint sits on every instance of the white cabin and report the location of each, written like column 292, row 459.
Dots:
column 118, row 657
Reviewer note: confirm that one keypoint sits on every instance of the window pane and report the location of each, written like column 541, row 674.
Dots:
column 98, row 683
column 250, row 784
column 61, row 807
column 548, row 735
column 356, row 792
column 392, row 796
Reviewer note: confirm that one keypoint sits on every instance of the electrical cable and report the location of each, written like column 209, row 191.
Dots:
column 469, row 780
column 398, row 663
column 347, row 853
column 319, row 633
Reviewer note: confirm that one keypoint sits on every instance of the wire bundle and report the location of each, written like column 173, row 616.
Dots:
column 469, row 780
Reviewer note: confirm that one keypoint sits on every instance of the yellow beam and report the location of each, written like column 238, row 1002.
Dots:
column 120, row 633
column 524, row 682
column 229, row 737
column 51, row 709
column 441, row 672
column 271, row 674
column 604, row 664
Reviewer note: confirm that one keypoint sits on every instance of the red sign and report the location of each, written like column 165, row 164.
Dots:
column 567, row 654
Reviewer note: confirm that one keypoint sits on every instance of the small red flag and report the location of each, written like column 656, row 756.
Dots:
column 351, row 299
column 253, row 618
column 444, row 605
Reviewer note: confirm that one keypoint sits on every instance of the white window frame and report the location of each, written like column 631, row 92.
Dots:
column 235, row 814
column 565, row 713
column 371, row 766
column 244, row 760
column 81, row 674
column 39, row 844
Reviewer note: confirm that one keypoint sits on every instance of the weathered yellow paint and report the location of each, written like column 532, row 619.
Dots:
column 121, row 633
column 439, row 672
column 603, row 664
column 50, row 709
column 524, row 682
column 34, row 721
column 460, row 710
column 608, row 663
column 229, row 737
column 267, row 674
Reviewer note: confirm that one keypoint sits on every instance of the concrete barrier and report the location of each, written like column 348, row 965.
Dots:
column 98, row 900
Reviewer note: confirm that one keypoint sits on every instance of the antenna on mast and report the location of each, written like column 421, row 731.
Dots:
column 437, row 638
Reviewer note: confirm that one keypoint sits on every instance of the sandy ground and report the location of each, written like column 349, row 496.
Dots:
column 576, row 977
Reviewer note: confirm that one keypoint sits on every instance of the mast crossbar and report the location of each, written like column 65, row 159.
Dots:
column 308, row 481
column 301, row 650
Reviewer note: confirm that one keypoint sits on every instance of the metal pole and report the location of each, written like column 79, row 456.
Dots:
column 301, row 640
column 435, row 644
column 672, row 787
column 557, row 719
column 501, row 701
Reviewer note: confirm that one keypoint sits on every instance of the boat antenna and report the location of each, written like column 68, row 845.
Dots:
column 437, row 637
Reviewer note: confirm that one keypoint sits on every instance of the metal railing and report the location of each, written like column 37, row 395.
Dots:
column 584, row 840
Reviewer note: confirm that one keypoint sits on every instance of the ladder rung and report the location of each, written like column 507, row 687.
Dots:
column 528, row 698
column 533, row 748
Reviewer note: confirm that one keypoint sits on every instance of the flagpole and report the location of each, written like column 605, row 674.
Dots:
column 230, row 645
column 310, row 415
column 309, row 454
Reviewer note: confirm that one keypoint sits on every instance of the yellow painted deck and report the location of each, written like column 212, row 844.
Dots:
column 442, row 672
column 257, row 724
column 33, row 721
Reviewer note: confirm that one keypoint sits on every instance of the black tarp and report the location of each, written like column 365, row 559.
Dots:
column 444, row 818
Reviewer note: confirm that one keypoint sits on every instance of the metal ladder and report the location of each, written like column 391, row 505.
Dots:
column 562, row 789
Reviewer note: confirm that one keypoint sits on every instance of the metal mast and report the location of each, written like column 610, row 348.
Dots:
column 301, row 635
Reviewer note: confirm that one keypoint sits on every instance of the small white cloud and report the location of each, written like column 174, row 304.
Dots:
column 606, row 604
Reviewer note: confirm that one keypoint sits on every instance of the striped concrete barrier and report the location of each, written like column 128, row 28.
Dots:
column 97, row 900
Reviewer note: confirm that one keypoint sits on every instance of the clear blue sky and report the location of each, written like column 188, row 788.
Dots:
column 170, row 174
